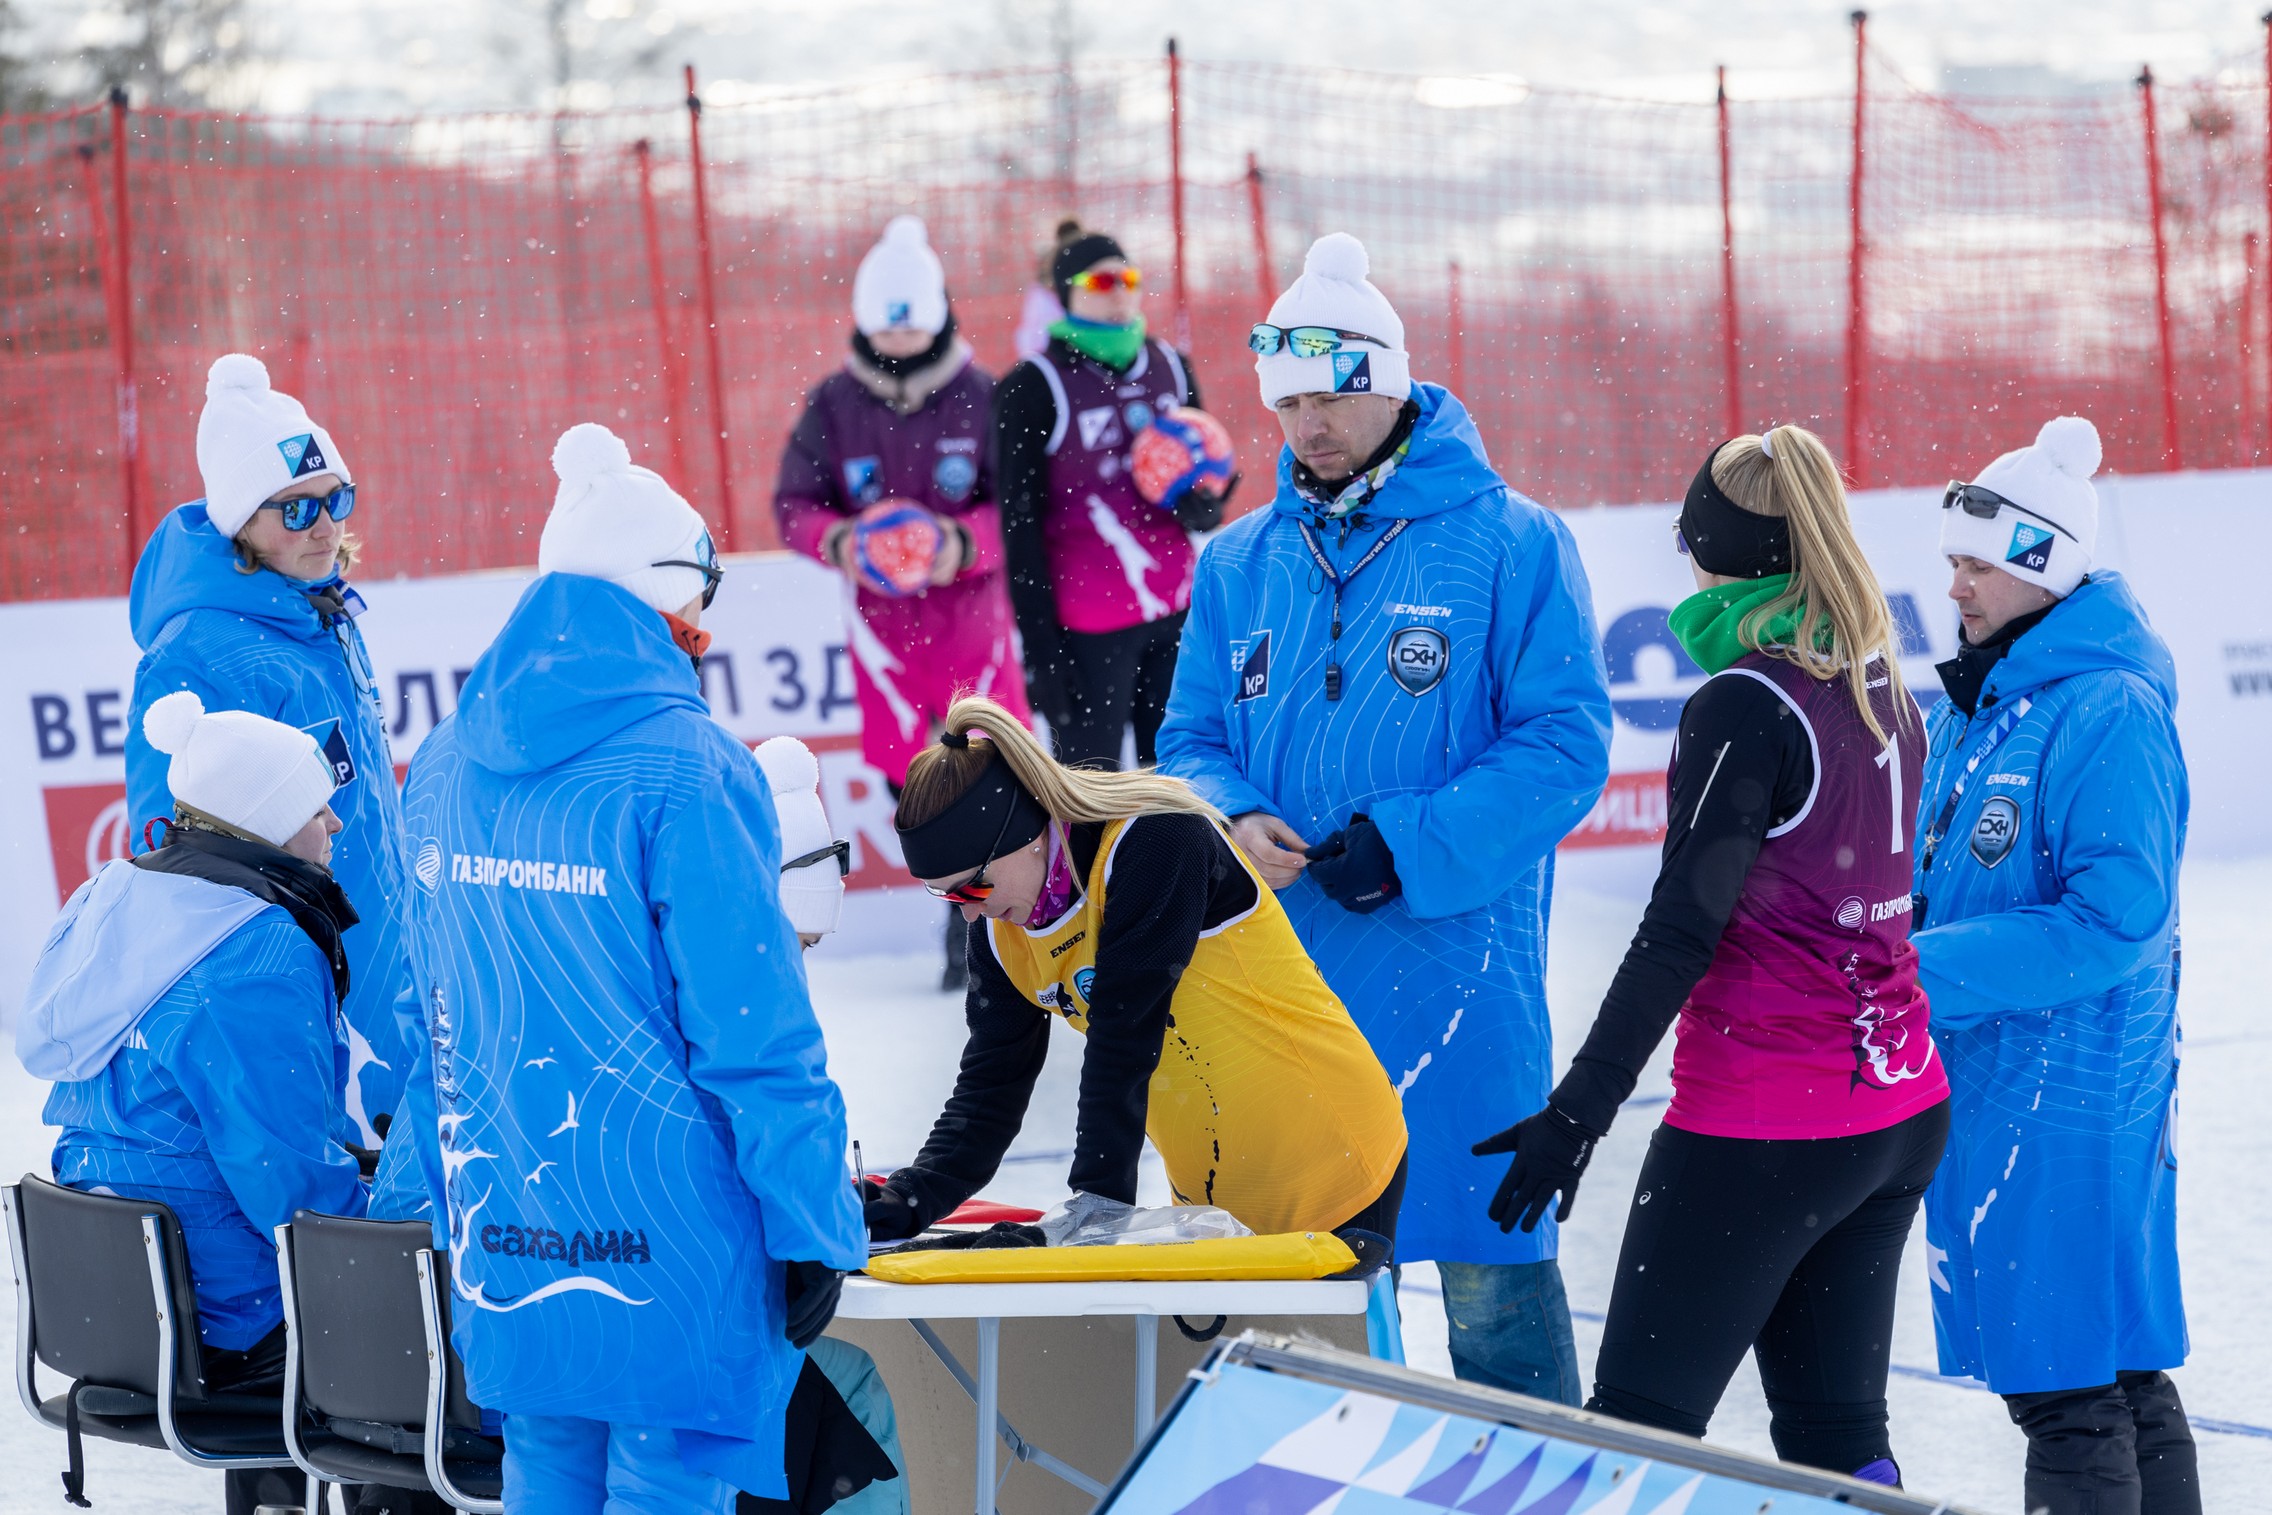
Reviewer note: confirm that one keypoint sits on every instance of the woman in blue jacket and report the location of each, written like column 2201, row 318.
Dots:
column 2050, row 829
column 186, row 1006
column 240, row 597
column 648, row 1197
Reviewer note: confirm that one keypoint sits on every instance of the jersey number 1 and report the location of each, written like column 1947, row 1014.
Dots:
column 1889, row 758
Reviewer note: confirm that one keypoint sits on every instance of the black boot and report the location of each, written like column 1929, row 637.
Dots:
column 956, row 978
column 2082, row 1451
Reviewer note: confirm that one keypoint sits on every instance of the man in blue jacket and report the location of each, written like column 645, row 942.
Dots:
column 2050, row 830
column 187, row 1006
column 240, row 598
column 1391, row 681
column 648, row 1197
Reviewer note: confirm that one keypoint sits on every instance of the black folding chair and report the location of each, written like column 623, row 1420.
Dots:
column 365, row 1389
column 473, row 1484
column 103, row 1297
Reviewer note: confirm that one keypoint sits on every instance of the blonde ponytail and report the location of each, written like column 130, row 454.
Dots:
column 942, row 774
column 1844, row 622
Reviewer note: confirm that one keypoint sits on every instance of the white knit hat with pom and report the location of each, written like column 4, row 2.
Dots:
column 901, row 282
column 614, row 520
column 1333, row 291
column 253, row 441
column 2051, row 537
column 813, row 895
column 258, row 775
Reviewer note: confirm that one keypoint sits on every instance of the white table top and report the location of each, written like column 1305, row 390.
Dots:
column 873, row 1299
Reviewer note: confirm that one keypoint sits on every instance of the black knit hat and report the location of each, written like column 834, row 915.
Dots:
column 1078, row 257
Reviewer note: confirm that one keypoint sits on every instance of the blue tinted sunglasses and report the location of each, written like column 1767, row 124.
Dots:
column 300, row 514
column 1306, row 341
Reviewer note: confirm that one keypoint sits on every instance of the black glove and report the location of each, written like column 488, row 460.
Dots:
column 1201, row 509
column 1355, row 868
column 1551, row 1151
column 813, row 1290
column 366, row 1159
column 889, row 1213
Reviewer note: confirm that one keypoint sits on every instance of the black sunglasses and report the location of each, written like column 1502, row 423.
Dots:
column 841, row 851
column 1982, row 504
column 299, row 514
column 712, row 575
column 978, row 888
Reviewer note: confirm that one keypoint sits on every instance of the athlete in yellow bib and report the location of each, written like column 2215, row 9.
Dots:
column 1116, row 901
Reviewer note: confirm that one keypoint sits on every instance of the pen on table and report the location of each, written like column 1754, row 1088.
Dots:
column 859, row 1168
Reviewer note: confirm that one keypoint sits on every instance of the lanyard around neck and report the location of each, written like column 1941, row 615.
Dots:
column 1929, row 845
column 1341, row 581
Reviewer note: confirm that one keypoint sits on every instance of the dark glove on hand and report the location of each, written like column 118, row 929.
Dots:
column 1355, row 868
column 813, row 1290
column 889, row 1213
column 366, row 1159
column 1551, row 1151
column 1201, row 508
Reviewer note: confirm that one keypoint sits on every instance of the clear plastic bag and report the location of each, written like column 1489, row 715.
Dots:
column 1089, row 1220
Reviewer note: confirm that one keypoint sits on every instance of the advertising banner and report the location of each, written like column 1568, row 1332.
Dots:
column 782, row 663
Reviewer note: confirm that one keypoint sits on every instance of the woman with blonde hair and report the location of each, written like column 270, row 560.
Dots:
column 241, row 598
column 1116, row 901
column 1809, row 1108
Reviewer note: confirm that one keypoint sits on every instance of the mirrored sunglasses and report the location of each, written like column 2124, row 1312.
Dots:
column 1984, row 504
column 1103, row 281
column 712, row 575
column 841, row 851
column 301, row 513
column 1306, row 341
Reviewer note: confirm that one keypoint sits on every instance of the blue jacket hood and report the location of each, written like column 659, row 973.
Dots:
column 1444, row 469
column 578, row 660
column 2101, row 627
column 126, row 936
column 188, row 565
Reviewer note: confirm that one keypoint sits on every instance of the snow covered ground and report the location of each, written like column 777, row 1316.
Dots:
column 893, row 1042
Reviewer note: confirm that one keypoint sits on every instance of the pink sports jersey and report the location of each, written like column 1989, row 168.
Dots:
column 1810, row 1021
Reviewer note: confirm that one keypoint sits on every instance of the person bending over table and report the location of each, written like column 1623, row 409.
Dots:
column 1116, row 901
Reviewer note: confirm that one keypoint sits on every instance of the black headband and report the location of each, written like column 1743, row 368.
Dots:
column 1726, row 539
column 1079, row 256
column 994, row 817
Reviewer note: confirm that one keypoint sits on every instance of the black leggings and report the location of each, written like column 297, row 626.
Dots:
column 1788, row 1249
column 1116, row 679
column 2122, row 1448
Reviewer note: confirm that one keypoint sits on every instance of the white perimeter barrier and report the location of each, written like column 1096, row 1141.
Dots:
column 2197, row 546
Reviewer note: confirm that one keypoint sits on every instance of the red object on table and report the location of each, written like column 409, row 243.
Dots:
column 985, row 1212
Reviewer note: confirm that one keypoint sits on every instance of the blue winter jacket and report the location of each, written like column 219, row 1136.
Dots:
column 1473, row 726
column 635, row 1117
column 253, row 641
column 2049, row 949
column 198, row 1061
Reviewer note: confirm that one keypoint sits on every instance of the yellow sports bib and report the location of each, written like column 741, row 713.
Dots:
column 1267, row 1101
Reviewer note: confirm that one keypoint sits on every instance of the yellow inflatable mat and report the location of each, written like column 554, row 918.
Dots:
column 1292, row 1255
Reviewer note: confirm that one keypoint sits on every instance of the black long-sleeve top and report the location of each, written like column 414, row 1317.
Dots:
column 1742, row 767
column 1025, row 413
column 1172, row 878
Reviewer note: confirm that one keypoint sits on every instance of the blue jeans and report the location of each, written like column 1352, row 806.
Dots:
column 1510, row 1328
column 562, row 1465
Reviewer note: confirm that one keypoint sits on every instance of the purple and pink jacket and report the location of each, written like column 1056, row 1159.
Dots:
column 1778, row 930
column 865, row 438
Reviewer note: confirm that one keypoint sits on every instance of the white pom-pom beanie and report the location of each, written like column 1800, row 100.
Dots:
column 2051, row 538
column 614, row 520
column 252, row 441
column 1333, row 291
column 900, row 282
column 813, row 895
column 260, row 776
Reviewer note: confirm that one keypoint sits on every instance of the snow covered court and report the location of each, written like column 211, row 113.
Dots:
column 893, row 1041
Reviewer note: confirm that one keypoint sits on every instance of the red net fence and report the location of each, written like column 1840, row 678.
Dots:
column 1610, row 284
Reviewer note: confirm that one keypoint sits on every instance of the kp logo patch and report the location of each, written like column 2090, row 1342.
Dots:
column 953, row 476
column 1996, row 830
column 1352, row 373
column 2031, row 548
column 1253, row 669
column 861, row 481
column 1417, row 657
column 333, row 743
column 303, row 455
column 1100, row 427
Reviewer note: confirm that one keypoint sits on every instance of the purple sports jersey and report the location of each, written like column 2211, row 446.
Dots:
column 1117, row 560
column 1810, row 1022
column 912, row 654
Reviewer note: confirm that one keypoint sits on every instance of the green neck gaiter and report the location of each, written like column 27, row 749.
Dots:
column 1113, row 346
column 1707, row 622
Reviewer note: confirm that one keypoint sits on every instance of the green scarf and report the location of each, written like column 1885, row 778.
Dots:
column 1113, row 346
column 1709, row 621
